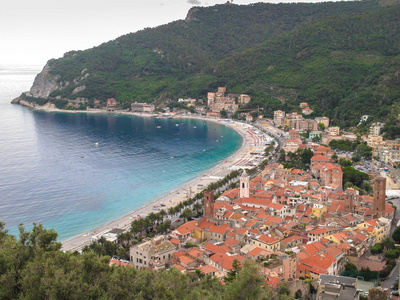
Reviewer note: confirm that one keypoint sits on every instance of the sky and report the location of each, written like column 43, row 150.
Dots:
column 34, row 31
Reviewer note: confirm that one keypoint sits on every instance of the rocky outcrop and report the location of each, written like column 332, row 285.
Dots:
column 191, row 14
column 47, row 107
column 44, row 84
column 79, row 89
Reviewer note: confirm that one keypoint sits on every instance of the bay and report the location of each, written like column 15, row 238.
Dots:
column 76, row 171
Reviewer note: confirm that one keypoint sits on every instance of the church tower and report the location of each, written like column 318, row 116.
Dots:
column 208, row 211
column 379, row 204
column 244, row 185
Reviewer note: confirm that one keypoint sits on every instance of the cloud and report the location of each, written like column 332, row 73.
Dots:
column 194, row 2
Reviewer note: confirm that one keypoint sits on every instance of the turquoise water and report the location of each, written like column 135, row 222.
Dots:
column 74, row 172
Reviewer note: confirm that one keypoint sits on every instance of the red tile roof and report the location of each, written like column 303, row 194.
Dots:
column 186, row 228
column 267, row 239
column 217, row 249
column 219, row 229
column 208, row 269
column 231, row 242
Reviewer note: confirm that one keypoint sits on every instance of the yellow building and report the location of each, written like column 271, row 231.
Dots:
column 318, row 210
column 376, row 228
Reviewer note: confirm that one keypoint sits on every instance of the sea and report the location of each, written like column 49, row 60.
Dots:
column 75, row 171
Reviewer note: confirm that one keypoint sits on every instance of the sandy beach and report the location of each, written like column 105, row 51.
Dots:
column 246, row 157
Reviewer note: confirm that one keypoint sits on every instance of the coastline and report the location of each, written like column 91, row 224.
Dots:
column 237, row 160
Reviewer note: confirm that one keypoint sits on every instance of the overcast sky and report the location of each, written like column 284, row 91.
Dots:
column 34, row 31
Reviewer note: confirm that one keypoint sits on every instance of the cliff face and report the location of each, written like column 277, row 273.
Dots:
column 44, row 84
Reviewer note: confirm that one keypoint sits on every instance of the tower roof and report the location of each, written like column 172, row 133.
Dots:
column 244, row 174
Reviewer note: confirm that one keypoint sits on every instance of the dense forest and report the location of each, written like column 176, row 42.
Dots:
column 340, row 57
column 33, row 267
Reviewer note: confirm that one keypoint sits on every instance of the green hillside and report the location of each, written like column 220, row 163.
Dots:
column 341, row 57
column 343, row 67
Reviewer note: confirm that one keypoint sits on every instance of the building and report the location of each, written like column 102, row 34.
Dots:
column 153, row 254
column 303, row 105
column 211, row 98
column 142, row 107
column 312, row 267
column 111, row 104
column 379, row 205
column 307, row 111
column 314, row 134
column 278, row 117
column 244, row 185
column 208, row 211
column 294, row 135
column 376, row 128
column 335, row 130
column 323, row 120
column 337, row 287
column 244, row 99
column 348, row 202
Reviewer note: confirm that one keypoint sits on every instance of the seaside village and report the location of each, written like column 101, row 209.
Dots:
column 216, row 102
column 295, row 224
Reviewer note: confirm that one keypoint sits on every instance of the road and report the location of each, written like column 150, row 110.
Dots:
column 391, row 280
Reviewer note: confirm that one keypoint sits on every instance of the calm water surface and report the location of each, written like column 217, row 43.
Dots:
column 53, row 172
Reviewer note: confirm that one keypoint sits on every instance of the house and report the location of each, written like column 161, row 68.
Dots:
column 183, row 232
column 142, row 107
column 312, row 267
column 154, row 253
column 111, row 104
column 307, row 111
column 264, row 241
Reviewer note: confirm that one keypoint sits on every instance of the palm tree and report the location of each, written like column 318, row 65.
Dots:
column 171, row 211
column 197, row 207
column 388, row 243
column 152, row 217
column 187, row 214
column 162, row 214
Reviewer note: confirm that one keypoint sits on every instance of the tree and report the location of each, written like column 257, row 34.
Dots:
column 345, row 163
column 223, row 114
column 388, row 243
column 187, row 214
column 164, row 227
column 350, row 267
column 162, row 214
column 197, row 207
column 232, row 273
column 248, row 284
column 396, row 235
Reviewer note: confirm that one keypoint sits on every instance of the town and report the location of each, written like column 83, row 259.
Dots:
column 302, row 224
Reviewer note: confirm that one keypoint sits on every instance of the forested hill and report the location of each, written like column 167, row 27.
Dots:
column 343, row 67
column 232, row 45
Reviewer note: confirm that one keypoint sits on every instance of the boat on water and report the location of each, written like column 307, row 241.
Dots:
column 158, row 126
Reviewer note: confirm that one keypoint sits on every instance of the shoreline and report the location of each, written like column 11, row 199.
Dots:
column 237, row 160
column 173, row 197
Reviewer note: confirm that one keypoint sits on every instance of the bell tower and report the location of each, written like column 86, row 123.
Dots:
column 208, row 211
column 379, row 204
column 244, row 185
